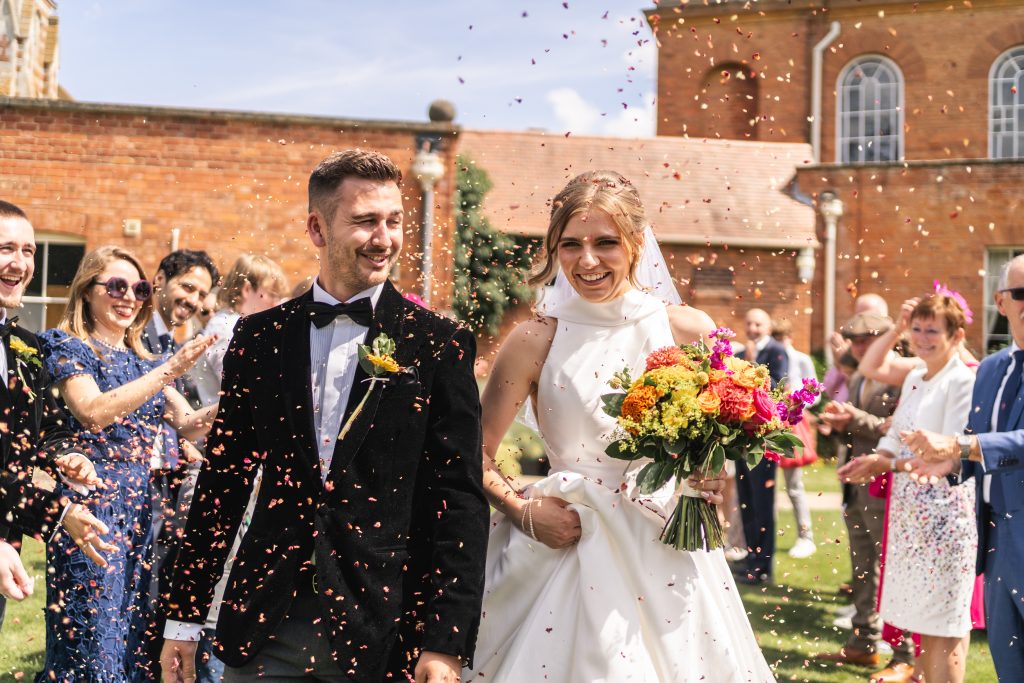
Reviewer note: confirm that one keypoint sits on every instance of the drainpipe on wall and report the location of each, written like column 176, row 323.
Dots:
column 816, row 62
column 831, row 208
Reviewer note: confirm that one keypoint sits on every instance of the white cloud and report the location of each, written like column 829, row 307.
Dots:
column 574, row 113
column 577, row 115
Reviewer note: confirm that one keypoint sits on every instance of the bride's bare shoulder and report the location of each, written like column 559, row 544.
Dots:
column 689, row 324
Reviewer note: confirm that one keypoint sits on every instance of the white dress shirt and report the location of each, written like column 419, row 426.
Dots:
column 206, row 374
column 986, row 482
column 333, row 358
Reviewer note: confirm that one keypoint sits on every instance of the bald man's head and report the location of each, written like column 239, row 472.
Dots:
column 759, row 324
column 870, row 303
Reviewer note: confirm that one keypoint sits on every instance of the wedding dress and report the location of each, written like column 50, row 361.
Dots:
column 620, row 605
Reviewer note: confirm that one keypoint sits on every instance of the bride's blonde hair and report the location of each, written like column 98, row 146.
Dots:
column 606, row 191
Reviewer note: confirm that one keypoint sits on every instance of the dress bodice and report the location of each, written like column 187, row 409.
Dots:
column 592, row 342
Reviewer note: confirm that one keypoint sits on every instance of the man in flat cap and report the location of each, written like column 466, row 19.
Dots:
column 859, row 421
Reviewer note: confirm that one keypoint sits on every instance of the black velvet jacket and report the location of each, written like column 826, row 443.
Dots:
column 33, row 432
column 400, row 528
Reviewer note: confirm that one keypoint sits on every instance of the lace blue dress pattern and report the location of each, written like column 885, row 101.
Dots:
column 94, row 614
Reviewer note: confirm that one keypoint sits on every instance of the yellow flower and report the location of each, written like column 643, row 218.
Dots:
column 385, row 363
column 21, row 348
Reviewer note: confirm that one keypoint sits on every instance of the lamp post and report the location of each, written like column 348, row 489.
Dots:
column 428, row 168
column 831, row 208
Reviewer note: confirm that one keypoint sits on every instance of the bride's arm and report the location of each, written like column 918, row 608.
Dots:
column 689, row 324
column 514, row 378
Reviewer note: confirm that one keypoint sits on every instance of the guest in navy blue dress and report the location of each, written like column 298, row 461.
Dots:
column 118, row 397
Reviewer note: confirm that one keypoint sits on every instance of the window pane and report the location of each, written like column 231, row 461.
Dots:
column 870, row 111
column 30, row 316
column 35, row 286
column 64, row 260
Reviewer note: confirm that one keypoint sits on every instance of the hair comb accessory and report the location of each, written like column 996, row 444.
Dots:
column 943, row 290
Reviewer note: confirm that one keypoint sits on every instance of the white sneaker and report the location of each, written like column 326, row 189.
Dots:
column 736, row 554
column 804, row 547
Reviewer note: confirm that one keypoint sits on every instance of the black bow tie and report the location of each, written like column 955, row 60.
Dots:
column 5, row 329
column 322, row 315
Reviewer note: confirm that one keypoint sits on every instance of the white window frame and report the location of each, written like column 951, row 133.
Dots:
column 867, row 143
column 995, row 257
column 1015, row 109
column 42, row 240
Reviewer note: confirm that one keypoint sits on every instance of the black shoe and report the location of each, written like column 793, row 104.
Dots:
column 748, row 579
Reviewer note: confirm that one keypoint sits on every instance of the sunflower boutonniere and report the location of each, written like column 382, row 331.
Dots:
column 378, row 361
column 24, row 356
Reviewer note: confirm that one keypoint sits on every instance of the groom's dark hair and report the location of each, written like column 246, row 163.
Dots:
column 354, row 163
column 8, row 210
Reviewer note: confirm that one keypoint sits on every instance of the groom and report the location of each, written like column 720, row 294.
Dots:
column 993, row 452
column 364, row 558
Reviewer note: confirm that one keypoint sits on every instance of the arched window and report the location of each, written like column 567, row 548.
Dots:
column 870, row 111
column 1006, row 106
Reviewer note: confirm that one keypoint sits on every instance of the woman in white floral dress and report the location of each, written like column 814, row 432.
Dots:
column 932, row 538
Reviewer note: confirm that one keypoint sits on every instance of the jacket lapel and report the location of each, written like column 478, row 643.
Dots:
column 298, row 387
column 387, row 319
column 1018, row 404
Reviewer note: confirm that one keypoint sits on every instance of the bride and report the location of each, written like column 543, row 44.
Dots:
column 578, row 586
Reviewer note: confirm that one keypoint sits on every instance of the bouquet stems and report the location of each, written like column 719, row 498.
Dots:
column 693, row 525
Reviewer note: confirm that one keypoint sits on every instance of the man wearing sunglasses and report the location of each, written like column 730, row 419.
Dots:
column 33, row 429
column 182, row 282
column 992, row 451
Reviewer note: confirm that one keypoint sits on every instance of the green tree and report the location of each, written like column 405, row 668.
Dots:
column 491, row 267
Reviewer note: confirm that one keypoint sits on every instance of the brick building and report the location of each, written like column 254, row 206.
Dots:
column 29, row 54
column 914, row 115
column 149, row 178
column 733, row 236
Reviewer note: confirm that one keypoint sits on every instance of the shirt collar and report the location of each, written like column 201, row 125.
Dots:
column 762, row 342
column 160, row 325
column 320, row 295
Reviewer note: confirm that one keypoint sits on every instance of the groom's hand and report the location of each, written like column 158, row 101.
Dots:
column 434, row 667
column 178, row 661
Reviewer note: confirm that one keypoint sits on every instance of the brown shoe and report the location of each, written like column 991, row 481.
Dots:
column 896, row 672
column 849, row 655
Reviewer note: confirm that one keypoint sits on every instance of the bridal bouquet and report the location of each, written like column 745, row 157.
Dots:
column 693, row 407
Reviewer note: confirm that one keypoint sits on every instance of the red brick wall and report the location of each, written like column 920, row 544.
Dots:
column 905, row 227
column 945, row 51
column 232, row 182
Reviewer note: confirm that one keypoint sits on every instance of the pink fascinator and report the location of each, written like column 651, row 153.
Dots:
column 943, row 290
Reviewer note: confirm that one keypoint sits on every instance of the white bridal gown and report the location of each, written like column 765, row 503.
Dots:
column 620, row 605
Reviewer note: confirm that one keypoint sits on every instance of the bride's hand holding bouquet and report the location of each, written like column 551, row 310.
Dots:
column 694, row 406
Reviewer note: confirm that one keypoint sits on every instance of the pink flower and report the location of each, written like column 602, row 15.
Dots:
column 772, row 456
column 764, row 406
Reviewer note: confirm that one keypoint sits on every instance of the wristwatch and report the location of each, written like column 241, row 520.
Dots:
column 964, row 442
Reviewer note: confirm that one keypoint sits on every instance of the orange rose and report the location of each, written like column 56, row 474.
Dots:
column 708, row 401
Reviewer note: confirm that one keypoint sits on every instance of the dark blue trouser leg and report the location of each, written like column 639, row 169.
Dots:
column 756, row 489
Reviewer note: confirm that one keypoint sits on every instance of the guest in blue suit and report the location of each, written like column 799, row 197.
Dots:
column 991, row 451
column 756, row 487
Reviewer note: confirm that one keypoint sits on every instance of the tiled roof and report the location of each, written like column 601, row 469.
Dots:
column 695, row 191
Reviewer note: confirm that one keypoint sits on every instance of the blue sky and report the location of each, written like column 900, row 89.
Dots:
column 584, row 67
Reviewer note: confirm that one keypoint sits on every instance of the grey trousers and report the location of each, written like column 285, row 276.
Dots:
column 865, row 524
column 297, row 651
column 798, row 499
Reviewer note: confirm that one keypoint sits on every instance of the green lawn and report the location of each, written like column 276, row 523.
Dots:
column 792, row 621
